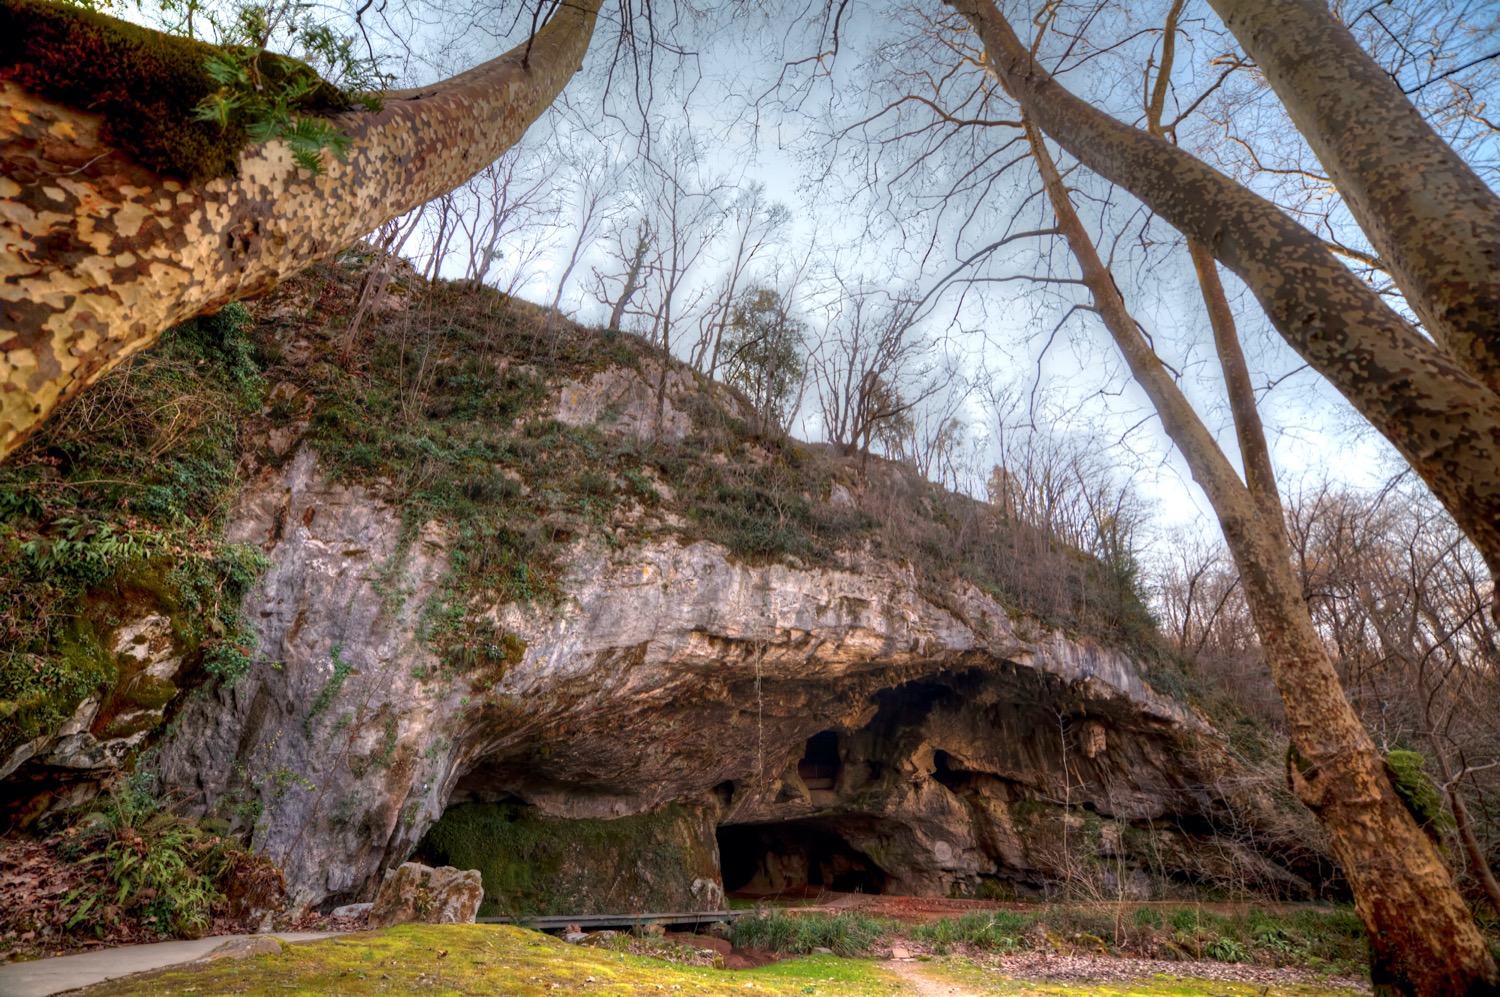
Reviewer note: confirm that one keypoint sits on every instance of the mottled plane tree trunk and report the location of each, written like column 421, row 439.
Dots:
column 98, row 254
column 1432, row 220
column 1423, row 939
column 1434, row 399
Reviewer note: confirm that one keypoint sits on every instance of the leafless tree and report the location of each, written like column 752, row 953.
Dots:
column 754, row 226
column 501, row 212
column 594, row 203
column 618, row 282
column 871, row 367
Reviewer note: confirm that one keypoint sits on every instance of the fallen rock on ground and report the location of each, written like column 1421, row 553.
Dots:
column 351, row 910
column 428, row 896
column 244, row 948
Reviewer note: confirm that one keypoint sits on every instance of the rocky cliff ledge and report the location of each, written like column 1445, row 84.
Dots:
column 559, row 613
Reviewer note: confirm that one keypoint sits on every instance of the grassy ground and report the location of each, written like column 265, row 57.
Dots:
column 492, row 959
column 495, row 959
column 1313, row 939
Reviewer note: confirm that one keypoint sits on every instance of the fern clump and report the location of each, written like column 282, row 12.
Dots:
column 269, row 96
column 182, row 106
column 155, row 867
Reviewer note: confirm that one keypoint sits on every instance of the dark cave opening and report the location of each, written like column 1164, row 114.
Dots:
column 798, row 856
column 820, row 763
column 948, row 775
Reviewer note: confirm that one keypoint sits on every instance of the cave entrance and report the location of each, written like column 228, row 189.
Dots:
column 798, row 857
column 819, row 766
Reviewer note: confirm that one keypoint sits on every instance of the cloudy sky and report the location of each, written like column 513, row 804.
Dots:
column 884, row 194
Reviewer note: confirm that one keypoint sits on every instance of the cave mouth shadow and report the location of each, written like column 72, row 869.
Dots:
column 798, row 857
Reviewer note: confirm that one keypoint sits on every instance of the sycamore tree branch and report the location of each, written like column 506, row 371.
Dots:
column 1443, row 419
column 99, row 254
column 1426, row 212
column 1423, row 938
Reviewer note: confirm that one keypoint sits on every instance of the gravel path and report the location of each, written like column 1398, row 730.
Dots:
column 1043, row 967
column 1039, row 968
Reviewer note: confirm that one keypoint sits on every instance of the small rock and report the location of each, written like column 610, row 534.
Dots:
column 897, row 952
column 820, row 950
column 574, row 937
column 244, row 948
column 351, row 910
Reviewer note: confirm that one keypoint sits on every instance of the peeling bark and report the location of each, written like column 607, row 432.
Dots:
column 1423, row 939
column 1429, row 216
column 99, row 255
column 1443, row 419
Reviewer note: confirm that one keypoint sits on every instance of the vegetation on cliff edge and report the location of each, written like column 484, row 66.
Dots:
column 117, row 510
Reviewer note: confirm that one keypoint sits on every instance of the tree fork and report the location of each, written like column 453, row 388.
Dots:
column 99, row 254
column 1443, row 419
column 1423, row 939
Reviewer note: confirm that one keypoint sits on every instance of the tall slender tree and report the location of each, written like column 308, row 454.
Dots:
column 1435, row 398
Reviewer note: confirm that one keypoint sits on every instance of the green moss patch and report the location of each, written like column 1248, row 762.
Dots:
column 1417, row 790
column 146, row 84
column 492, row 959
column 116, row 510
column 536, row 865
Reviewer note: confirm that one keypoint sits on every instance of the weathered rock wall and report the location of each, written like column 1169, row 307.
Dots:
column 671, row 673
column 327, row 752
column 540, row 584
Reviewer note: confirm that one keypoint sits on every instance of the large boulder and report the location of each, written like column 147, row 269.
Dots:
column 430, row 896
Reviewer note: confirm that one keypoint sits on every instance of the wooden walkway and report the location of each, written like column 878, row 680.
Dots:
column 593, row 922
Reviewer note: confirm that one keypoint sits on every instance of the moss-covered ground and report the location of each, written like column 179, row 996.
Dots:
column 498, row 959
column 492, row 959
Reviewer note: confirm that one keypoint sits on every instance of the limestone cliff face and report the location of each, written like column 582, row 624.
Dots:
column 953, row 746
column 328, row 751
column 563, row 599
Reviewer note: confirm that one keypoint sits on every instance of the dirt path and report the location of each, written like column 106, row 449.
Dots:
column 923, row 985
